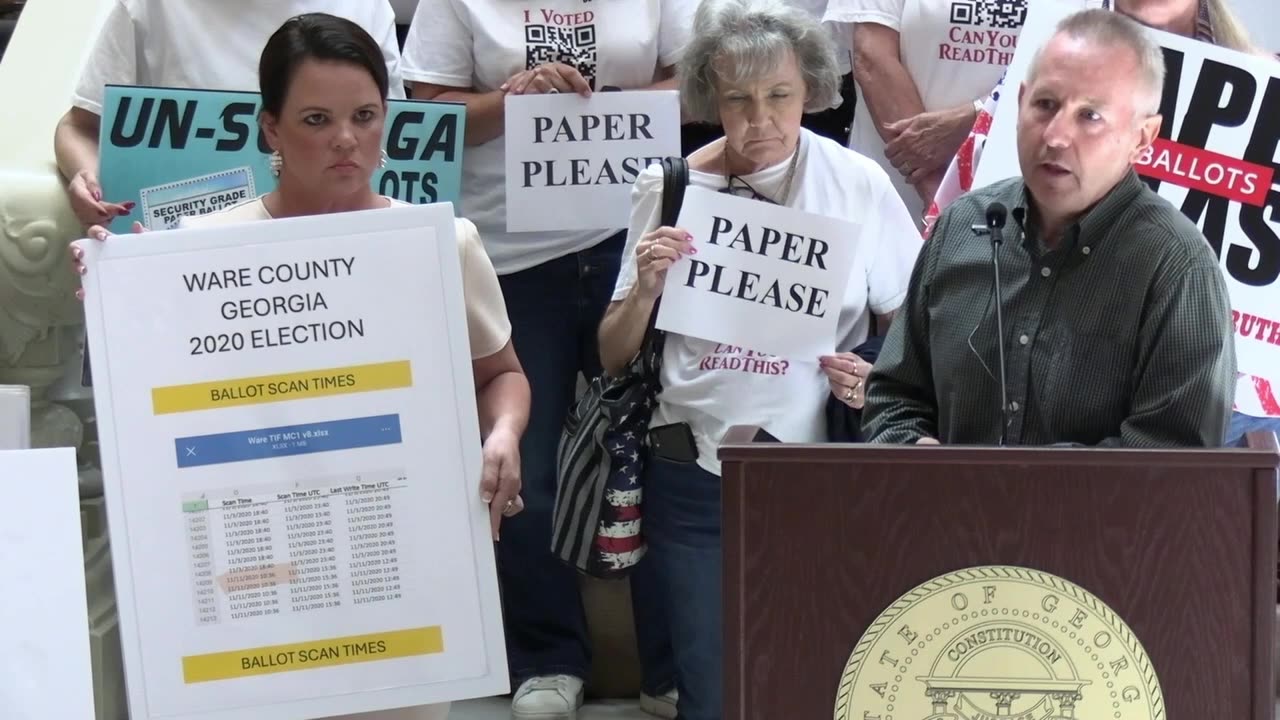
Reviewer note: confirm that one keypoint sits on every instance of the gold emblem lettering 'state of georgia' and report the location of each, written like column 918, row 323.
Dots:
column 999, row 643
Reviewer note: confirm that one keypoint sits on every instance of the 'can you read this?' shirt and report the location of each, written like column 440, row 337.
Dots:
column 1119, row 337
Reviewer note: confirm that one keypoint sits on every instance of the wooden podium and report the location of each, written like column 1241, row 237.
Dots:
column 1045, row 553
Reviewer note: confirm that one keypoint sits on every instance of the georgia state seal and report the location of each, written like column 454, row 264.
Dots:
column 999, row 643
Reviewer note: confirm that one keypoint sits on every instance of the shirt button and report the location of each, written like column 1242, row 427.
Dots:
column 1013, row 406
column 1023, row 340
column 1045, row 272
column 1085, row 249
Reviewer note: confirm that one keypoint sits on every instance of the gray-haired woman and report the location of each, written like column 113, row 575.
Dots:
column 754, row 67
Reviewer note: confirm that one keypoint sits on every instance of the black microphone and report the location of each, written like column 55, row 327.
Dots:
column 996, row 217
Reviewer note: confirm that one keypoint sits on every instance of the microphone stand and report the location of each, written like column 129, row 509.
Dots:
column 996, row 241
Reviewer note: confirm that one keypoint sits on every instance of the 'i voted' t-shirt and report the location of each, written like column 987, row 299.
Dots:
column 713, row 386
column 954, row 50
column 480, row 44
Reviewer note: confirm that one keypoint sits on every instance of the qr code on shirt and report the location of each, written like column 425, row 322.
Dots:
column 1006, row 14
column 574, row 46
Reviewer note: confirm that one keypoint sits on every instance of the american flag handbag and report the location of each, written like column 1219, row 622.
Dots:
column 596, row 522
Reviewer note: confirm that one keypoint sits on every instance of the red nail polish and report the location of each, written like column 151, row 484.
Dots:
column 129, row 205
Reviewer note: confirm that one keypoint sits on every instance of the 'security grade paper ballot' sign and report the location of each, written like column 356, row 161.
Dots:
column 292, row 462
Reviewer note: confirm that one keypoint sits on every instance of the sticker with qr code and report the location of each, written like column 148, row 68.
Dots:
column 574, row 46
column 164, row 205
column 1003, row 14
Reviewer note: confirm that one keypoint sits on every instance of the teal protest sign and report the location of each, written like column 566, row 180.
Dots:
column 191, row 152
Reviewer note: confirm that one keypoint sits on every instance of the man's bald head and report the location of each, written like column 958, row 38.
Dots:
column 1108, row 29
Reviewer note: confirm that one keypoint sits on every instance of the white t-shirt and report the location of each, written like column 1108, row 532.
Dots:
column 713, row 389
column 210, row 44
column 488, row 327
column 818, row 9
column 479, row 44
column 954, row 50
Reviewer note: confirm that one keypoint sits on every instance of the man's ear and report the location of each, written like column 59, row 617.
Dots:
column 1148, row 131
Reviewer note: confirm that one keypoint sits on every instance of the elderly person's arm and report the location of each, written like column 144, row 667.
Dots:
column 918, row 143
column 624, row 324
column 651, row 250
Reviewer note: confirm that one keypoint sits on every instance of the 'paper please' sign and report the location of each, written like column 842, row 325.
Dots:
column 1217, row 159
column 571, row 161
column 764, row 277
column 192, row 152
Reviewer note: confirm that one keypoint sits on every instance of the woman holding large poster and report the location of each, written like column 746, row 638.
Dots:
column 324, row 89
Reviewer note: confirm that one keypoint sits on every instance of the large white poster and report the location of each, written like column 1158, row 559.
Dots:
column 571, row 161
column 1216, row 160
column 291, row 459
column 45, row 667
column 763, row 277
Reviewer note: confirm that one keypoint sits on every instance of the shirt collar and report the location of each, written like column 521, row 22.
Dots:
column 1092, row 225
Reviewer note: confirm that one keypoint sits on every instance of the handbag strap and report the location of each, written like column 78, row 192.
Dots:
column 675, row 178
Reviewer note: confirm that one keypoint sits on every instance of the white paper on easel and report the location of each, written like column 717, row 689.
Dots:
column 15, row 417
column 45, row 670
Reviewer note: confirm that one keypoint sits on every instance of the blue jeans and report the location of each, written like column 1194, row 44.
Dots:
column 1241, row 424
column 682, row 572
column 555, row 310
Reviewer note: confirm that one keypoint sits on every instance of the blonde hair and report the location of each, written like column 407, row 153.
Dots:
column 1228, row 32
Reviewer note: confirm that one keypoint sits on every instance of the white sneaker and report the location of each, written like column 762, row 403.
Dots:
column 663, row 706
column 549, row 697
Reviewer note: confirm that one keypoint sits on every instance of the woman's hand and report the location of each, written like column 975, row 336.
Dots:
column 656, row 252
column 85, row 195
column 99, row 233
column 500, row 480
column 549, row 78
column 846, row 374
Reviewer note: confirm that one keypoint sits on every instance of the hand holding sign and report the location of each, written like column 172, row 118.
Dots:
column 847, row 375
column 99, row 233
column 85, row 195
column 656, row 252
column 548, row 78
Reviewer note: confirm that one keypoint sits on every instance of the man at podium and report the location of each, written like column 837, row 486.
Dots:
column 1104, row 320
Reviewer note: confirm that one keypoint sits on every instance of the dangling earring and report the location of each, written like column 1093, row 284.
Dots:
column 382, row 162
column 277, row 162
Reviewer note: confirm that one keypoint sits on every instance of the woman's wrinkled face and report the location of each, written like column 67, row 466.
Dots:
column 761, row 115
column 329, row 132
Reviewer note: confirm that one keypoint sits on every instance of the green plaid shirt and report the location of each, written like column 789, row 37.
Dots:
column 1121, row 337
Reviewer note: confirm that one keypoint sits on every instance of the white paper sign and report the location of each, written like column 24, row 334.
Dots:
column 764, row 277
column 571, row 161
column 1217, row 160
column 45, row 671
column 292, row 462
column 15, row 417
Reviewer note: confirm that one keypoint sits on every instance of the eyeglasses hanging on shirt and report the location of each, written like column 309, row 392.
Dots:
column 736, row 186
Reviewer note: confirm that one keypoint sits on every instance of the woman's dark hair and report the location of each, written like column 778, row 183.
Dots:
column 315, row 36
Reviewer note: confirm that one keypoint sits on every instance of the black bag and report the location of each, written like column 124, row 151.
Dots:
column 596, row 523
